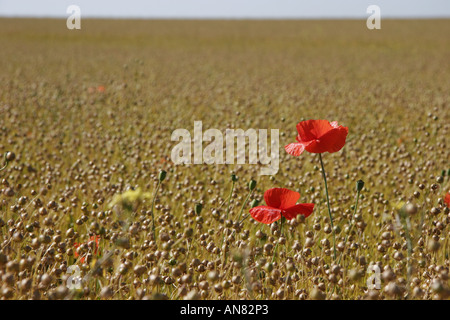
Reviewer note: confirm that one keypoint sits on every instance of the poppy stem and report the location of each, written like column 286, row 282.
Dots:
column 244, row 218
column 229, row 199
column 153, row 206
column 328, row 204
column 244, row 204
column 407, row 226
column 228, row 210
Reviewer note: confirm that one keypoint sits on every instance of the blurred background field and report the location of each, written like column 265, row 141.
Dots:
column 89, row 113
column 161, row 75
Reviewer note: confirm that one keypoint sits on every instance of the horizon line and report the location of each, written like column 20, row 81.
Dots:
column 205, row 18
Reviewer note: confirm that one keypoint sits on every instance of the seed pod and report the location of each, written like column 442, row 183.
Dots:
column 162, row 175
column 254, row 203
column 106, row 293
column 433, row 245
column 198, row 208
column 359, row 185
column 317, row 294
column 252, row 185
column 411, row 209
column 10, row 156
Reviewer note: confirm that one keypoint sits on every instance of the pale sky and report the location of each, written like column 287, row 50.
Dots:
column 233, row 9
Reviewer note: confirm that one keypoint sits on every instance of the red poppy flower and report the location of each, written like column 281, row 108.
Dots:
column 318, row 136
column 280, row 202
column 76, row 245
column 447, row 199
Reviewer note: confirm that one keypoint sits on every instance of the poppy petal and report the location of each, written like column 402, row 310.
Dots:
column 295, row 149
column 334, row 124
column 303, row 208
column 313, row 129
column 265, row 214
column 447, row 199
column 334, row 140
column 281, row 198
column 316, row 147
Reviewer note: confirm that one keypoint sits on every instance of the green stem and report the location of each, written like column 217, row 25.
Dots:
column 244, row 204
column 406, row 224
column 244, row 218
column 229, row 200
column 225, row 200
column 190, row 245
column 153, row 206
column 328, row 204
column 228, row 210
column 6, row 164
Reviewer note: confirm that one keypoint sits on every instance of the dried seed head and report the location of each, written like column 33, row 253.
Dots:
column 10, row 156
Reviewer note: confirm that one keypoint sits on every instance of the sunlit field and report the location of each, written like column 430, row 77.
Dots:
column 93, row 207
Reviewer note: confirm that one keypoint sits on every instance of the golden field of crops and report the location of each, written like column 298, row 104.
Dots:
column 86, row 118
